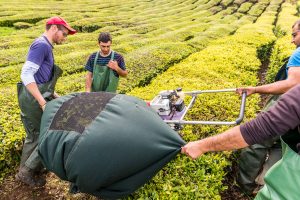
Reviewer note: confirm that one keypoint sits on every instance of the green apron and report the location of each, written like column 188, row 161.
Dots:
column 103, row 77
column 282, row 181
column 31, row 115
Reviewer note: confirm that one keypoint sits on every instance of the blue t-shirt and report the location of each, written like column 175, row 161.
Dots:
column 89, row 66
column 41, row 54
column 294, row 60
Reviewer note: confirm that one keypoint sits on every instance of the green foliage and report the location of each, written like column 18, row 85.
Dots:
column 245, row 7
column 258, row 8
column 166, row 44
column 283, row 47
column 6, row 31
column 226, row 3
column 22, row 25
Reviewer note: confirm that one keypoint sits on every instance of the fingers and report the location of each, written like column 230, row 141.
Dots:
column 239, row 90
column 112, row 64
column 185, row 150
column 248, row 90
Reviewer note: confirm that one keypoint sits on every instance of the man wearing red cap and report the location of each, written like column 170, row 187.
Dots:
column 39, row 76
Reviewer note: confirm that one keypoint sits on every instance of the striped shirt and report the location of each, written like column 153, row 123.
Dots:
column 89, row 66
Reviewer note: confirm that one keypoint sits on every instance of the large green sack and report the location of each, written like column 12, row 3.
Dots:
column 282, row 181
column 108, row 145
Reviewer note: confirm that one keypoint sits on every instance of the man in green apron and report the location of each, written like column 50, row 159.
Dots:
column 104, row 67
column 39, row 76
column 282, row 181
column 255, row 160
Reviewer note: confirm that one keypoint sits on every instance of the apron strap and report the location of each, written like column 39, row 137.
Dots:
column 97, row 55
column 112, row 55
column 96, row 58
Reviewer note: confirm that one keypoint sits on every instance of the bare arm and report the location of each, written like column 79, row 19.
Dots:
column 88, row 81
column 278, row 87
column 229, row 140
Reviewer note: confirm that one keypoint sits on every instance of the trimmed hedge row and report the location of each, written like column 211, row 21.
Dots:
column 73, row 62
column 17, row 55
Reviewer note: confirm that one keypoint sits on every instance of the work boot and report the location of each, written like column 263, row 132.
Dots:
column 41, row 171
column 73, row 189
column 26, row 176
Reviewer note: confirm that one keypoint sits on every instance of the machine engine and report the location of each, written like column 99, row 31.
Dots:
column 169, row 105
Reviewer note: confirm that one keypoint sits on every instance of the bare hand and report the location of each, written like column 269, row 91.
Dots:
column 55, row 95
column 113, row 65
column 192, row 149
column 248, row 90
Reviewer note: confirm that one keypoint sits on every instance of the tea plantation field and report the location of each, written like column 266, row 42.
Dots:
column 193, row 44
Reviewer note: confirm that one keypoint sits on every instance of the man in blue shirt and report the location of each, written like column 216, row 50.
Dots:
column 104, row 67
column 39, row 76
column 257, row 159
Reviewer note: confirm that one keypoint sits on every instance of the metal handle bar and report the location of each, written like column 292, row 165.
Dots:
column 194, row 96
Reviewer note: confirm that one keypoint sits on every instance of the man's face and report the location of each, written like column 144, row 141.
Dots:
column 105, row 47
column 296, row 35
column 60, row 35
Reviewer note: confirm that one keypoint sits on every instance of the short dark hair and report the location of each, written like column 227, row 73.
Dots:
column 59, row 26
column 297, row 23
column 104, row 37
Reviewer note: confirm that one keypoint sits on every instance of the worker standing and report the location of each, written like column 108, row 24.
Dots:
column 256, row 159
column 104, row 67
column 39, row 76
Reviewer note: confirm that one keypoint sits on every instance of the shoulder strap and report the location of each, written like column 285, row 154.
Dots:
column 112, row 55
column 96, row 58
column 281, row 74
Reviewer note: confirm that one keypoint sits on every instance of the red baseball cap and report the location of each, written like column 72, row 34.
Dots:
column 58, row 20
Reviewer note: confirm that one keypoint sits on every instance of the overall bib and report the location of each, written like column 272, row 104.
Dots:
column 31, row 115
column 103, row 77
column 282, row 181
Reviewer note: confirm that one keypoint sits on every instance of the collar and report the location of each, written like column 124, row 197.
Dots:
column 46, row 39
column 105, row 55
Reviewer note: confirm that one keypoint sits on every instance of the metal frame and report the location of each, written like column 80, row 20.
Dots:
column 194, row 95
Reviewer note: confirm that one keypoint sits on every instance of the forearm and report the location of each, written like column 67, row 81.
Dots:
column 278, row 87
column 33, row 89
column 121, row 72
column 278, row 120
column 88, row 82
column 229, row 140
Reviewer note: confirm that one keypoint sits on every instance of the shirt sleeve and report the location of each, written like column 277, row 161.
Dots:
column 37, row 53
column 121, row 62
column 28, row 71
column 278, row 120
column 89, row 66
column 294, row 60
column 35, row 58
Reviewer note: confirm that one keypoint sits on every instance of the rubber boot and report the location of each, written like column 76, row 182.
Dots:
column 26, row 175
